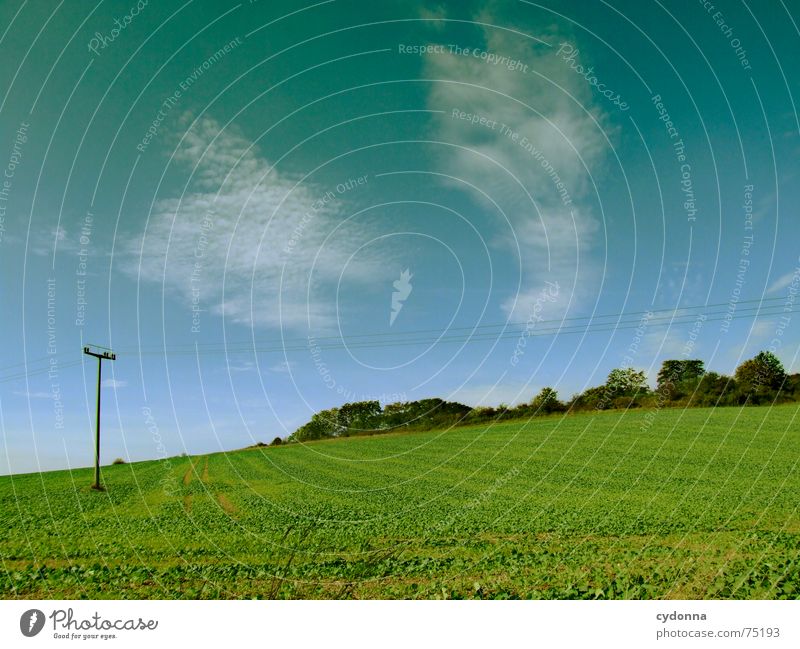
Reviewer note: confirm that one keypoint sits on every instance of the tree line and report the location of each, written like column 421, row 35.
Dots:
column 680, row 383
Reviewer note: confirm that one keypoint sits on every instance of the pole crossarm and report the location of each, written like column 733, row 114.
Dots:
column 105, row 355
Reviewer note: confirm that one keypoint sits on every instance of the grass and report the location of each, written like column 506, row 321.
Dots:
column 693, row 503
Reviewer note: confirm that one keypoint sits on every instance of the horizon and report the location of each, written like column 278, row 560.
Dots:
column 543, row 419
column 461, row 422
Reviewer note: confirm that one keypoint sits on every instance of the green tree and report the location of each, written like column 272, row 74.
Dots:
column 762, row 374
column 358, row 416
column 547, row 401
column 596, row 398
column 626, row 381
column 713, row 390
column 677, row 371
column 426, row 413
column 323, row 424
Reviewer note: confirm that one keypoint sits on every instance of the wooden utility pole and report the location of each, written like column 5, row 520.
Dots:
column 105, row 355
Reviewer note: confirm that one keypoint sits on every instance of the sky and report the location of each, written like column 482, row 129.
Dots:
column 270, row 208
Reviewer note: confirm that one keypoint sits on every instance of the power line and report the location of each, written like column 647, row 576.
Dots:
column 351, row 341
column 403, row 339
column 442, row 340
column 44, row 370
column 192, row 346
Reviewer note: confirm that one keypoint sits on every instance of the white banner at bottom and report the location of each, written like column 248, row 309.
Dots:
column 378, row 624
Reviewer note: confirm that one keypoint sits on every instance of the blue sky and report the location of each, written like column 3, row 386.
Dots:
column 228, row 195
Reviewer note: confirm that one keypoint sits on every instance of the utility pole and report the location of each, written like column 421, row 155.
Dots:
column 105, row 355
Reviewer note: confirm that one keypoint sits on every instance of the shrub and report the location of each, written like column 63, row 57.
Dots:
column 623, row 403
column 546, row 402
column 674, row 372
column 597, row 398
column 119, row 460
column 626, row 381
column 761, row 375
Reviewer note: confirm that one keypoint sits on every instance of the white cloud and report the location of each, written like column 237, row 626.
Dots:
column 34, row 395
column 761, row 330
column 245, row 366
column 283, row 367
column 784, row 281
column 552, row 107
column 434, row 14
column 114, row 383
column 43, row 242
column 244, row 237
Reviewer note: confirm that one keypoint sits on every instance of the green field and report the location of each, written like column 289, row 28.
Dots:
column 677, row 504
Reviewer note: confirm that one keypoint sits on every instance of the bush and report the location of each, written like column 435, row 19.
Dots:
column 624, row 403
column 597, row 398
column 762, row 375
column 276, row 442
column 481, row 413
column 676, row 372
column 547, row 402
column 626, row 381
column 119, row 460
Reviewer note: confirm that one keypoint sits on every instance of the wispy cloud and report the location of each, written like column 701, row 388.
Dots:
column 784, row 281
column 33, row 395
column 43, row 242
column 246, row 240
column 245, row 366
column 434, row 14
column 761, row 330
column 114, row 383
column 283, row 367
column 543, row 135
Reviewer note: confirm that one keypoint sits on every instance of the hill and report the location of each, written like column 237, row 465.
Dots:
column 695, row 503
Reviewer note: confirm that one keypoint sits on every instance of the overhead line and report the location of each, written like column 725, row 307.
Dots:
column 448, row 339
column 361, row 341
column 759, row 311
